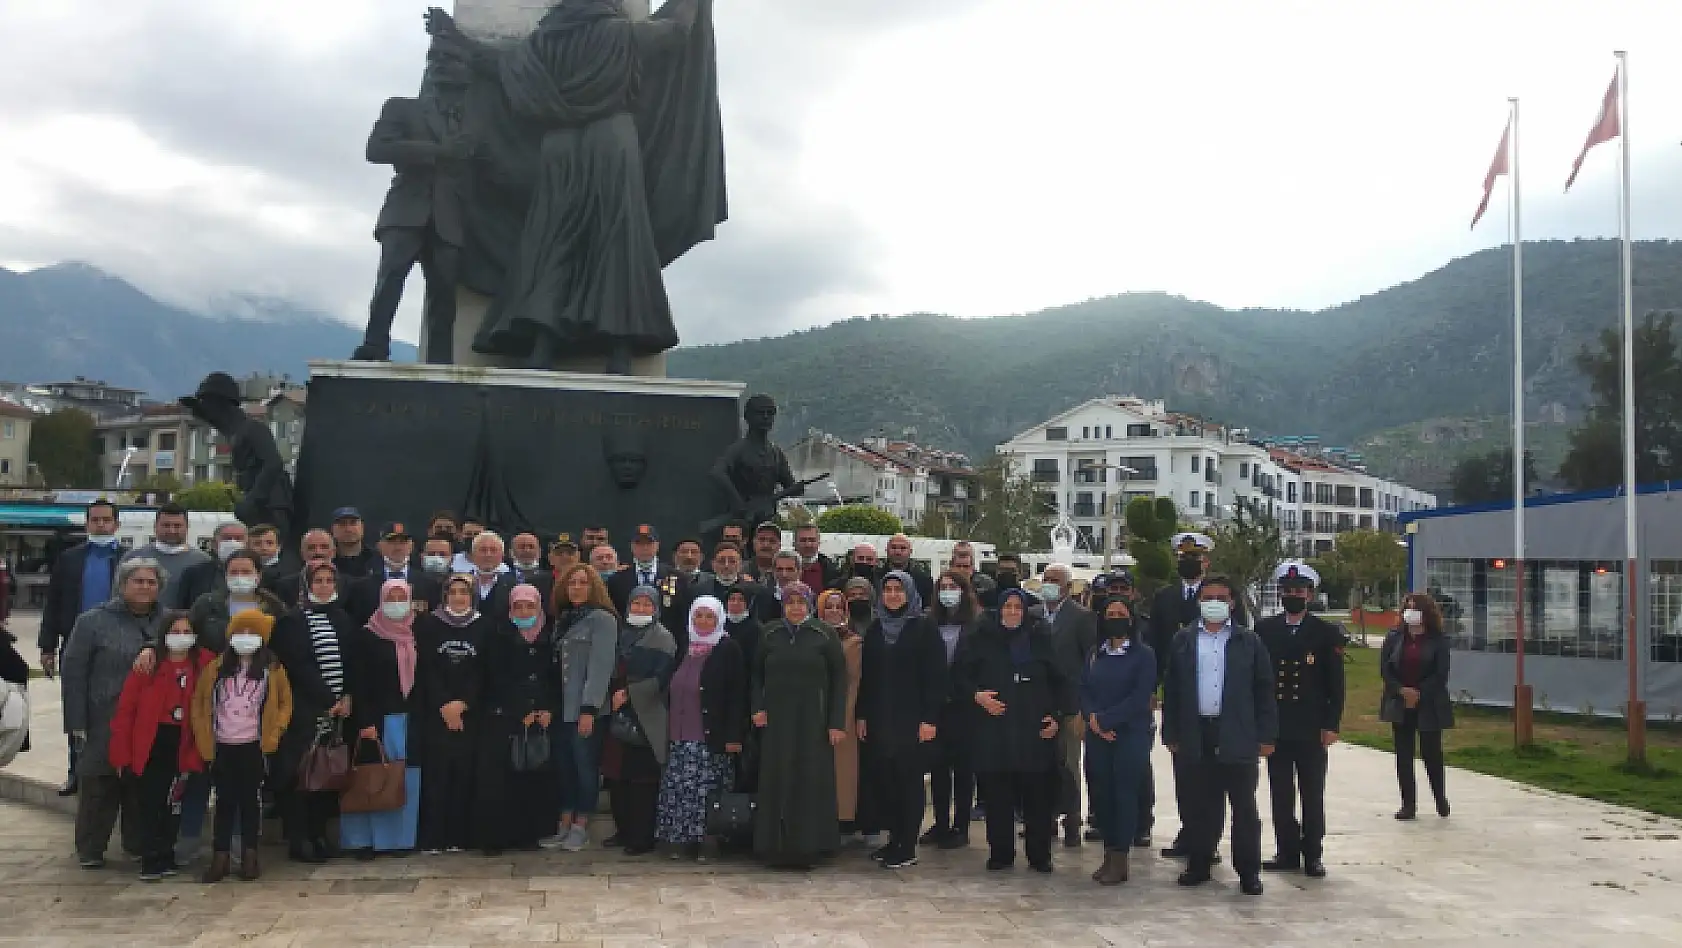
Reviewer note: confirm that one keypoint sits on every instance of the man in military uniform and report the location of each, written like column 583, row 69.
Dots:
column 1307, row 653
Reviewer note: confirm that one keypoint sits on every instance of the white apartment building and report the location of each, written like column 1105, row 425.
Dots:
column 1076, row 459
column 859, row 475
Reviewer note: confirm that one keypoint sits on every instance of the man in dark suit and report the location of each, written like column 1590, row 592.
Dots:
column 396, row 562
column 1173, row 608
column 316, row 546
column 1219, row 718
column 1074, row 633
column 492, row 578
column 1307, row 653
column 645, row 569
column 816, row 570
column 200, row 578
column 423, row 140
column 82, row 578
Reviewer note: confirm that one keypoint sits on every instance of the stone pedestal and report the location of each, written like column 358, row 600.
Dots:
column 522, row 449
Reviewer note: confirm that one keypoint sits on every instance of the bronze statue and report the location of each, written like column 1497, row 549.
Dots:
column 265, row 486
column 603, row 162
column 424, row 141
column 754, row 474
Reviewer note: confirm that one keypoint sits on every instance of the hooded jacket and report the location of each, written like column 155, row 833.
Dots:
column 277, row 699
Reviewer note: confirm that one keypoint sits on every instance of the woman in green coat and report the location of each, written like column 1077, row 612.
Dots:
column 799, row 707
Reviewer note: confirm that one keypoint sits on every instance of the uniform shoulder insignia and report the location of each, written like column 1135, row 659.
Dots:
column 1310, row 658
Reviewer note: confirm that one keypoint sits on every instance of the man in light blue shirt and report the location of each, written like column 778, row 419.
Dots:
column 1219, row 719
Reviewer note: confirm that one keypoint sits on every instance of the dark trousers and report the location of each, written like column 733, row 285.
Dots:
column 159, row 816
column 1212, row 786
column 447, row 798
column 898, row 776
column 1036, row 794
column 952, row 785
column 1112, row 770
column 1183, row 802
column 304, row 815
column 237, row 774
column 1298, row 765
column 400, row 249
column 1146, row 820
column 634, row 804
column 1430, row 743
column 99, row 803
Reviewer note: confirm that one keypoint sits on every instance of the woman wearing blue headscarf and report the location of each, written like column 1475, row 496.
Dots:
column 902, row 691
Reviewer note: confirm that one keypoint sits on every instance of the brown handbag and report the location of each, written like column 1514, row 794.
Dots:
column 374, row 788
column 326, row 765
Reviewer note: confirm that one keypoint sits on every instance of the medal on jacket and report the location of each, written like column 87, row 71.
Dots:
column 1310, row 659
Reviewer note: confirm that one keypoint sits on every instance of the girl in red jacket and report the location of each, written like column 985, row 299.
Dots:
column 152, row 744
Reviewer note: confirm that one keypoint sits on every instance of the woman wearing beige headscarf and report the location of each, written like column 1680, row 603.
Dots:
column 832, row 609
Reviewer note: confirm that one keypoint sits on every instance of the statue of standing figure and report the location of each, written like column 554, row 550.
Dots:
column 598, row 160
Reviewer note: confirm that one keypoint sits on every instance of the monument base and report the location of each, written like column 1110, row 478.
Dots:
column 471, row 308
column 519, row 449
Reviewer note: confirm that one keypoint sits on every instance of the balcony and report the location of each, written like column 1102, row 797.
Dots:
column 1045, row 477
column 1083, row 510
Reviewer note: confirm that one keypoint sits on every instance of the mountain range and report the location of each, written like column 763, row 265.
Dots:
column 1416, row 375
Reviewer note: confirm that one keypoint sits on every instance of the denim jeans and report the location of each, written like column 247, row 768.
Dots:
column 578, row 765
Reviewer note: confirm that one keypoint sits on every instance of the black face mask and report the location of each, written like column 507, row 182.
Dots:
column 864, row 570
column 1117, row 629
column 1294, row 605
column 858, row 610
column 1191, row 567
column 1007, row 579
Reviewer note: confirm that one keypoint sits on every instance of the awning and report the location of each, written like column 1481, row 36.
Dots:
column 40, row 515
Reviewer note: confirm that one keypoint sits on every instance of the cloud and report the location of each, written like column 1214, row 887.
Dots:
column 966, row 156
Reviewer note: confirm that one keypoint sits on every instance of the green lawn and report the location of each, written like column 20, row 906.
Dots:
column 1571, row 755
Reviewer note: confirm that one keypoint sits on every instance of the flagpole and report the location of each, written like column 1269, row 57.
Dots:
column 1637, row 709
column 1523, row 731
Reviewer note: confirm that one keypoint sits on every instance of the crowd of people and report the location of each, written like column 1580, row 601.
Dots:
column 496, row 691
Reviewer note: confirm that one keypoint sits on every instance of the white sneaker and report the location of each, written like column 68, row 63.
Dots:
column 432, row 852
column 553, row 842
column 576, row 839
column 455, row 849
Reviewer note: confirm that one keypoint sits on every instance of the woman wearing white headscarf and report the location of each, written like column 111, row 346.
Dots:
column 705, row 725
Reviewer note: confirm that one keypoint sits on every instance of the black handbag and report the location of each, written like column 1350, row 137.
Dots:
column 529, row 749
column 730, row 813
column 626, row 729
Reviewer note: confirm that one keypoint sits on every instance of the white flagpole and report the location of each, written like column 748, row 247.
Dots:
column 1521, row 694
column 1637, row 708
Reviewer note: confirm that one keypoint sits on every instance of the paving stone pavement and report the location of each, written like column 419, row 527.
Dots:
column 1513, row 866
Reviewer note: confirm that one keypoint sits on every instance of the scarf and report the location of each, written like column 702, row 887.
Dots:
column 893, row 623
column 1021, row 644
column 701, row 643
column 401, row 635
column 450, row 619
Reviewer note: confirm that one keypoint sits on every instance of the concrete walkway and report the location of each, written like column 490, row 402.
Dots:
column 1512, row 866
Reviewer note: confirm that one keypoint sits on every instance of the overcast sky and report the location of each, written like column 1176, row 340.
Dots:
column 965, row 156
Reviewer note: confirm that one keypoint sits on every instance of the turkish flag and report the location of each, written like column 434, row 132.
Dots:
column 1605, row 128
column 1497, row 168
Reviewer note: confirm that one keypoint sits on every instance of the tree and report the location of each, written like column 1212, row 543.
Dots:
column 1374, row 562
column 794, row 515
column 1595, row 458
column 934, row 524
column 1150, row 524
column 208, row 495
column 1012, row 513
column 859, row 518
column 159, row 482
column 1246, row 551
column 1486, row 478
column 62, row 446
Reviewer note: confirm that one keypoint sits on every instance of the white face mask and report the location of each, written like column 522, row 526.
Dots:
column 951, row 597
column 242, row 585
column 459, row 613
column 1050, row 592
column 526, row 564
column 322, row 602
column 107, row 540
column 227, row 548
column 179, row 641
column 1215, row 610
column 736, row 616
column 1413, row 616
column 272, row 560
column 396, row 611
column 396, row 566
column 245, row 643
column 636, row 622
column 169, row 549
column 436, row 564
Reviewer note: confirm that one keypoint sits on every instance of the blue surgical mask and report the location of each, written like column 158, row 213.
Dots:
column 1050, row 592
column 103, row 541
column 524, row 622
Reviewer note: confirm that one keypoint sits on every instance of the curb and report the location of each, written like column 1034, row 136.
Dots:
column 20, row 789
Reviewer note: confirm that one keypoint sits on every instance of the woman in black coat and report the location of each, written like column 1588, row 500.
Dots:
column 451, row 640
column 1010, row 671
column 1414, row 664
column 514, row 809
column 902, row 693
column 955, row 615
column 311, row 643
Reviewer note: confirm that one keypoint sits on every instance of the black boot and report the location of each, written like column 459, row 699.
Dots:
column 619, row 360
